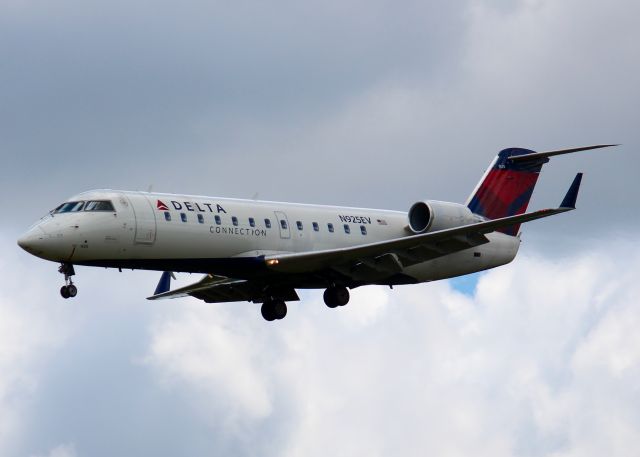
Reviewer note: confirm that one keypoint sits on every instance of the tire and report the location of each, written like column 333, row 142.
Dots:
column 329, row 298
column 342, row 295
column 267, row 311
column 72, row 290
column 279, row 309
column 336, row 296
column 64, row 291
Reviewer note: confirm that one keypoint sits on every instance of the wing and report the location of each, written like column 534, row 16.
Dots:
column 388, row 257
column 393, row 255
column 218, row 289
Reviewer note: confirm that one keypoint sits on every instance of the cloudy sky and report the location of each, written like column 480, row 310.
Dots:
column 373, row 104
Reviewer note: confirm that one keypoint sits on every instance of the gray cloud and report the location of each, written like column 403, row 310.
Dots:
column 230, row 103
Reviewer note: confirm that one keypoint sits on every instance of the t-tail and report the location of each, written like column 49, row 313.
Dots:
column 507, row 185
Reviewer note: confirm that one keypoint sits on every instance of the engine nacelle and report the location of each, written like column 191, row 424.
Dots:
column 431, row 215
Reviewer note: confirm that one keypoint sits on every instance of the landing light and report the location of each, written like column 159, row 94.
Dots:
column 272, row 262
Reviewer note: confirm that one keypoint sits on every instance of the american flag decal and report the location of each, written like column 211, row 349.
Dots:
column 161, row 206
column 382, row 222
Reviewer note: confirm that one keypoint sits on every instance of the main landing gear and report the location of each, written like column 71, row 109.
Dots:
column 69, row 289
column 276, row 308
column 336, row 296
column 273, row 309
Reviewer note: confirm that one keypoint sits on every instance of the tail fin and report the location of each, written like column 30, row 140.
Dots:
column 507, row 185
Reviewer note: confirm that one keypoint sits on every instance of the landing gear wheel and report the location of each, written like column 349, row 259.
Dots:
column 64, row 291
column 273, row 309
column 329, row 299
column 336, row 296
column 72, row 290
column 267, row 311
column 279, row 309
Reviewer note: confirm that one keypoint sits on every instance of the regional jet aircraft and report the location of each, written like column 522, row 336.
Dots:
column 262, row 252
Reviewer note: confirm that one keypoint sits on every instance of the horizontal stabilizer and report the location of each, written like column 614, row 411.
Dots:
column 543, row 155
column 569, row 200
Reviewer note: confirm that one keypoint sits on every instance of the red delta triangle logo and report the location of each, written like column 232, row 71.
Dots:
column 161, row 206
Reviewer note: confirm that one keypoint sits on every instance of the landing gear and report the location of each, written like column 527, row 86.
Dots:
column 69, row 290
column 336, row 296
column 273, row 309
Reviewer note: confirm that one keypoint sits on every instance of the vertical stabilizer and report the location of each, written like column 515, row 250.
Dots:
column 507, row 186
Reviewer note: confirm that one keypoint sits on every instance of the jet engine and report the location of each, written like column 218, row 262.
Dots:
column 431, row 216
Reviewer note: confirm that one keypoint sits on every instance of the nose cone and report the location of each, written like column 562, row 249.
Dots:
column 33, row 241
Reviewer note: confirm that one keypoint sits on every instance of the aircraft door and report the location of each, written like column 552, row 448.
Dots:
column 283, row 225
column 145, row 219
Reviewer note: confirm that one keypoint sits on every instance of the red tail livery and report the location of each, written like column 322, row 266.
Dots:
column 507, row 186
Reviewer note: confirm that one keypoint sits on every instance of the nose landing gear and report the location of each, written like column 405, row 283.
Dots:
column 69, row 290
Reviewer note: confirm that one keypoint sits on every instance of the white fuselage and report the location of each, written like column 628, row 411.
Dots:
column 230, row 237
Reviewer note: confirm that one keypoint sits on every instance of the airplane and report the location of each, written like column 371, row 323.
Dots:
column 261, row 252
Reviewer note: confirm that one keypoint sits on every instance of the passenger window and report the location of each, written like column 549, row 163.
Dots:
column 252, row 222
column 183, row 216
column 330, row 227
column 316, row 227
column 167, row 216
column 201, row 218
column 267, row 223
column 363, row 229
column 347, row 229
column 217, row 219
column 234, row 220
column 283, row 224
column 299, row 224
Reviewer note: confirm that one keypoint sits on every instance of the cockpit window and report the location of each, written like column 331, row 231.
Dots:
column 99, row 205
column 69, row 207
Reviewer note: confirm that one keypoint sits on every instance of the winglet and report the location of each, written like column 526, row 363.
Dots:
column 164, row 284
column 569, row 200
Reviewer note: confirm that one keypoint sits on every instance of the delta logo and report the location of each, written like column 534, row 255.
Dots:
column 191, row 206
